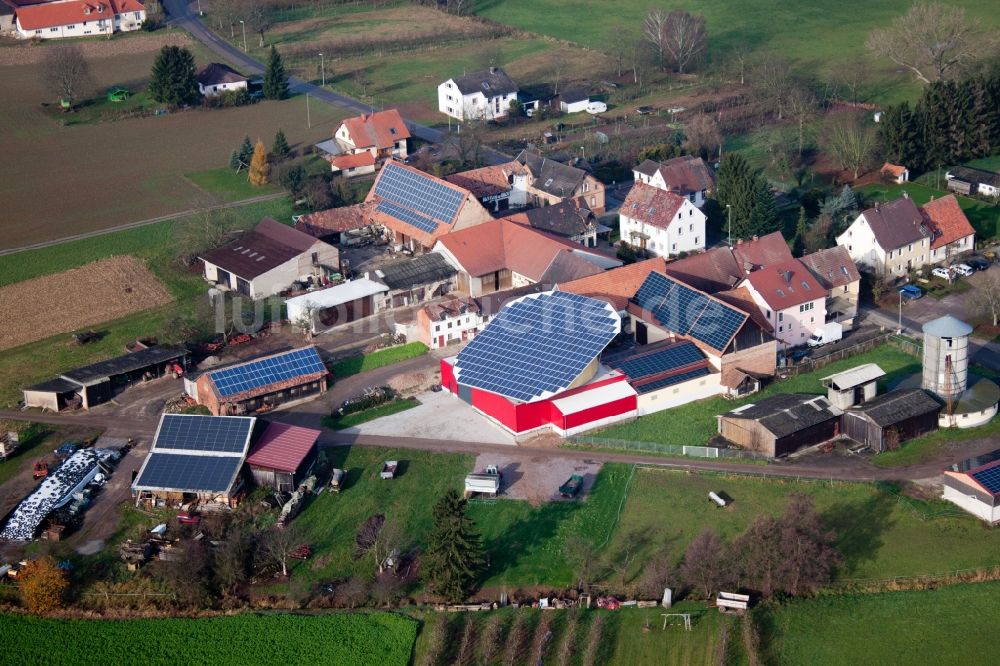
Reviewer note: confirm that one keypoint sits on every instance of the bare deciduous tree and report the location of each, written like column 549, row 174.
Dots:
column 277, row 545
column 686, row 40
column 654, row 31
column 852, row 143
column 852, row 78
column 987, row 297
column 66, row 71
column 770, row 81
column 807, row 555
column 702, row 136
column 702, row 566
column 802, row 106
column 933, row 41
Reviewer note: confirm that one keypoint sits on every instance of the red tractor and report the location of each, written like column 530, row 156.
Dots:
column 40, row 470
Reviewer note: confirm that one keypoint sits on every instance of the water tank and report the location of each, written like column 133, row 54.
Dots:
column 946, row 356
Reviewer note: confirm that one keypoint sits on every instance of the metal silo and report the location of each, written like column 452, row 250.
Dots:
column 946, row 357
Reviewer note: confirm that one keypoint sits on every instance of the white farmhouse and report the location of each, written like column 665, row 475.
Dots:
column 791, row 300
column 687, row 176
column 77, row 18
column 482, row 95
column 889, row 239
column 216, row 78
column 267, row 260
column 661, row 222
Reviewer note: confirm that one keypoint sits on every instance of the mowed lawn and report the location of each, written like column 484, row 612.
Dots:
column 983, row 217
column 157, row 245
column 59, row 180
column 819, row 37
column 951, row 625
column 694, row 424
column 879, row 533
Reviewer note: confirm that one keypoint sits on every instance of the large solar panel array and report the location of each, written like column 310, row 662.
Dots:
column 689, row 312
column 267, row 371
column 537, row 346
column 417, row 192
column 989, row 478
column 189, row 472
column 664, row 360
column 671, row 380
column 217, row 434
column 412, row 218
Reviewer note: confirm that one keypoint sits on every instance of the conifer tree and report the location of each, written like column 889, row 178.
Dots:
column 454, row 556
column 173, row 78
column 275, row 77
column 245, row 151
column 259, row 168
column 798, row 243
column 280, row 148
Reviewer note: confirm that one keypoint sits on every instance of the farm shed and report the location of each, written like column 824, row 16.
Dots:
column 900, row 415
column 781, row 424
column 262, row 383
column 98, row 383
column 853, row 387
column 337, row 305
column 412, row 281
column 195, row 457
column 977, row 490
column 283, row 456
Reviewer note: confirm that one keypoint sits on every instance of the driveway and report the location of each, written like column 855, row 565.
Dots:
column 537, row 479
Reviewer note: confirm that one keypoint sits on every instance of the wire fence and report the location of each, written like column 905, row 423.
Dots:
column 667, row 449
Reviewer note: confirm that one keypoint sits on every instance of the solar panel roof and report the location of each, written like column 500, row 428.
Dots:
column 215, row 434
column 989, row 478
column 192, row 473
column 689, row 312
column 266, row 371
column 663, row 360
column 671, row 380
column 538, row 345
column 418, row 192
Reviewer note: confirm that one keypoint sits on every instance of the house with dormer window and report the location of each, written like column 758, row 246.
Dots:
column 661, row 222
column 77, row 18
column 484, row 95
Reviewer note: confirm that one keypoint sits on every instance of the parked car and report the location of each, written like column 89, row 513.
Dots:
column 911, row 292
column 978, row 263
column 965, row 270
column 597, row 107
column 941, row 272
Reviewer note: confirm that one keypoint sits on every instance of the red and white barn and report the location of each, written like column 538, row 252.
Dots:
column 536, row 366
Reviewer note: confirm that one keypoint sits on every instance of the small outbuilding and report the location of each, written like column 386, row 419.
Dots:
column 853, row 387
column 574, row 101
column 283, row 456
column 98, row 383
column 416, row 280
column 337, row 305
column 215, row 79
column 781, row 424
column 888, row 420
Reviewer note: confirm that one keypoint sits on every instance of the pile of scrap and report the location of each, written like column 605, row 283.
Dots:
column 291, row 508
column 60, row 487
column 9, row 442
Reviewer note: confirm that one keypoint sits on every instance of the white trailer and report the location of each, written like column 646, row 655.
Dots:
column 486, row 482
column 732, row 601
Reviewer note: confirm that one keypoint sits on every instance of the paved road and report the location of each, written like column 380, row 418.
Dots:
column 181, row 15
column 142, row 223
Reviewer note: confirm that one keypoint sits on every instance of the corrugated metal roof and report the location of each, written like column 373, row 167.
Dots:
column 862, row 374
column 283, row 447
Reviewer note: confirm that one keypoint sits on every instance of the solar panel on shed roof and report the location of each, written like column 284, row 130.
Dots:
column 267, row 371
column 989, row 478
column 671, row 380
column 218, row 434
column 664, row 360
column 418, row 192
column 193, row 473
column 686, row 311
column 538, row 345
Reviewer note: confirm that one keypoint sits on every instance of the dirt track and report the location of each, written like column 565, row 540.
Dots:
column 76, row 299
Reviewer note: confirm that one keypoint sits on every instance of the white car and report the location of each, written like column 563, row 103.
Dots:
column 941, row 273
column 597, row 107
column 965, row 270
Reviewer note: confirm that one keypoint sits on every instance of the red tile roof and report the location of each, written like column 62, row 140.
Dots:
column 945, row 218
column 892, row 169
column 54, row 14
column 325, row 222
column 381, row 129
column 686, row 174
column 353, row 161
column 283, row 447
column 786, row 285
column 618, row 285
column 502, row 244
column 832, row 267
column 763, row 251
column 651, row 205
column 256, row 252
column 487, row 180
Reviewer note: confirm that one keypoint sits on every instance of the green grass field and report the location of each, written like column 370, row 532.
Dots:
column 819, row 38
column 880, row 534
column 341, row 638
column 378, row 359
column 229, row 185
column 155, row 244
column 357, row 418
column 694, row 423
column 983, row 217
column 950, row 625
column 930, row 446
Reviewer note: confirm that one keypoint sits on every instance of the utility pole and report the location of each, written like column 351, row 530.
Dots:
column 322, row 67
column 244, row 26
column 899, row 326
column 729, row 212
column 308, row 117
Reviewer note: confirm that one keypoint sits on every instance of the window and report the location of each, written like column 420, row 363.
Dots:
column 138, row 15
column 680, row 232
column 910, row 248
column 53, row 29
column 70, row 27
column 690, row 227
column 690, row 212
column 437, row 328
column 780, row 329
column 586, row 186
column 781, row 316
column 767, row 314
column 691, row 197
column 593, row 201
column 695, row 240
column 675, row 246
column 806, row 307
column 848, row 248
